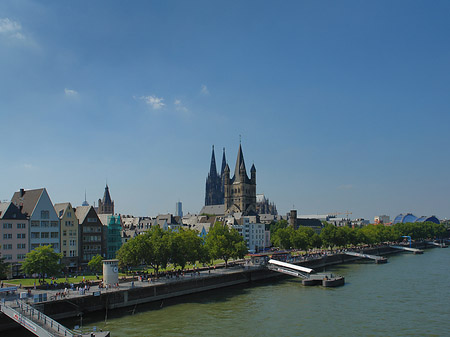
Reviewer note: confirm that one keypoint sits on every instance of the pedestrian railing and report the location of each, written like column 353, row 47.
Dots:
column 37, row 317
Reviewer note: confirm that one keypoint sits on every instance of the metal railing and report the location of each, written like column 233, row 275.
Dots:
column 39, row 317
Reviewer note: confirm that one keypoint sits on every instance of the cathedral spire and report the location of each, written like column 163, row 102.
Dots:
column 213, row 169
column 224, row 162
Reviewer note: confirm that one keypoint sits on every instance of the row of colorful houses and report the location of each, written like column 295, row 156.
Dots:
column 31, row 220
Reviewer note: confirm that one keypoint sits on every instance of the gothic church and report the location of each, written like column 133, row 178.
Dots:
column 237, row 193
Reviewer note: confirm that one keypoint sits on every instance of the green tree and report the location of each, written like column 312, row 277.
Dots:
column 274, row 226
column 96, row 263
column 284, row 238
column 225, row 243
column 42, row 260
column 187, row 246
column 328, row 235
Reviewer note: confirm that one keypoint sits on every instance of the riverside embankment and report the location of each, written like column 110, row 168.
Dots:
column 142, row 292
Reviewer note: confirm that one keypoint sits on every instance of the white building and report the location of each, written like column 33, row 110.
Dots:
column 44, row 227
column 253, row 234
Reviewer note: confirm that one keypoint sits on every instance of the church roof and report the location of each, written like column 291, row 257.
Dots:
column 213, row 209
column 106, row 196
column 240, row 165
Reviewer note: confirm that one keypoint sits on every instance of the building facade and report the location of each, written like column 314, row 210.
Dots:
column 44, row 225
column 91, row 234
column 112, row 234
column 253, row 233
column 69, row 235
column 13, row 236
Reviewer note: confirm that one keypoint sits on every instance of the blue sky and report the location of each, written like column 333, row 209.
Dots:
column 342, row 105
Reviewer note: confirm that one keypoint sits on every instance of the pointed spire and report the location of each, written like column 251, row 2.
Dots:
column 85, row 203
column 224, row 162
column 240, row 164
column 213, row 169
column 106, row 197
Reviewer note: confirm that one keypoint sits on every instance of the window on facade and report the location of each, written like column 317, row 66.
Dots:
column 7, row 257
column 54, row 235
column 69, row 214
column 64, row 242
column 45, row 215
column 35, row 223
column 21, row 235
column 21, row 256
column 44, row 235
column 55, row 245
column 35, row 235
column 72, row 243
column 7, row 246
column 64, row 232
column 54, row 223
column 20, row 226
column 20, row 246
column 92, row 220
column 7, row 225
column 7, row 236
column 34, row 245
column 64, row 253
column 44, row 223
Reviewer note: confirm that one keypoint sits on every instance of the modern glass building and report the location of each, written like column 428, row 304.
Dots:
column 404, row 218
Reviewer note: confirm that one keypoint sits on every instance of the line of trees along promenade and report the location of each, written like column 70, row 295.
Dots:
column 157, row 248
column 286, row 237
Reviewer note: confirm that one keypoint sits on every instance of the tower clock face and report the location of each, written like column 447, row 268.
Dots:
column 115, row 269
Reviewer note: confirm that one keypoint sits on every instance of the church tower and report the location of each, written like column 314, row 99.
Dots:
column 106, row 205
column 240, row 191
column 214, row 186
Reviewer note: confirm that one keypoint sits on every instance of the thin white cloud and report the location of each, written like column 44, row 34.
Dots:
column 155, row 102
column 11, row 29
column 70, row 92
column 28, row 166
column 179, row 106
column 204, row 90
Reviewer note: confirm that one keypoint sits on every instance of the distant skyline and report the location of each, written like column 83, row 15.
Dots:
column 342, row 106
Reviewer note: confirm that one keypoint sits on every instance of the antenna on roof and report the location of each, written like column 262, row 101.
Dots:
column 240, row 139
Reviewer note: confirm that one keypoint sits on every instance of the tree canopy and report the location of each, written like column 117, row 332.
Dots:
column 224, row 243
column 156, row 248
column 96, row 263
column 332, row 236
column 42, row 261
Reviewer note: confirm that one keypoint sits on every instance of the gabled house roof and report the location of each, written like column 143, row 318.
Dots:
column 61, row 208
column 26, row 200
column 10, row 211
column 81, row 212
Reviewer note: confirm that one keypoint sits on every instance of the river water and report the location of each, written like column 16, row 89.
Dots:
column 408, row 296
